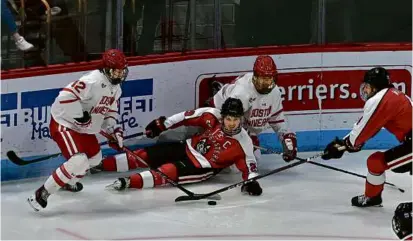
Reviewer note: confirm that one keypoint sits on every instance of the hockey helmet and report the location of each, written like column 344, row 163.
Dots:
column 265, row 74
column 377, row 78
column 115, row 66
column 232, row 107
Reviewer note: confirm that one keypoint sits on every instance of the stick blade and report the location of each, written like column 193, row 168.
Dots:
column 14, row 158
column 185, row 198
column 197, row 197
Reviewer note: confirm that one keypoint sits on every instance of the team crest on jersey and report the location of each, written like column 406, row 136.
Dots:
column 208, row 122
column 189, row 113
column 202, row 147
column 103, row 85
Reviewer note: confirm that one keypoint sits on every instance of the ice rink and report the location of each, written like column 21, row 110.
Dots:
column 304, row 202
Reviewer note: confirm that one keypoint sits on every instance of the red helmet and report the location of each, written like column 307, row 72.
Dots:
column 264, row 66
column 115, row 66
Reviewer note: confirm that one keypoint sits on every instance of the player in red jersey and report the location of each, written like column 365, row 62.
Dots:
column 222, row 143
column 385, row 107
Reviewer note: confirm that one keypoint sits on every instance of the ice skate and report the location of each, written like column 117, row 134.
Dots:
column 39, row 199
column 77, row 187
column 363, row 201
column 120, row 184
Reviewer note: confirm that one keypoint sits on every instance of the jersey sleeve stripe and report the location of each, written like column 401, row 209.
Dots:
column 276, row 122
column 68, row 101
column 71, row 91
column 107, row 117
column 277, row 113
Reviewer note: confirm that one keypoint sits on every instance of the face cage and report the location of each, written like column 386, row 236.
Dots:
column 233, row 131
column 115, row 80
column 363, row 95
column 266, row 90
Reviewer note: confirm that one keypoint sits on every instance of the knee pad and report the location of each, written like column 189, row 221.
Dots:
column 95, row 160
column 376, row 163
column 77, row 164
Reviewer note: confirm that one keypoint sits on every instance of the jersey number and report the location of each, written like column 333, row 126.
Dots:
column 78, row 86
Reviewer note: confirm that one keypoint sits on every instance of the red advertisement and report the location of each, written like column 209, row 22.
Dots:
column 301, row 91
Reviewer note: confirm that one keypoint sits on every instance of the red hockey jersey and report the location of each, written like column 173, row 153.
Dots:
column 389, row 108
column 212, row 148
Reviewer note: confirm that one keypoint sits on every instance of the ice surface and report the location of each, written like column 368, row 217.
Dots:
column 304, row 202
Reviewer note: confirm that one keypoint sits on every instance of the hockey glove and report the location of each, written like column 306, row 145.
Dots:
column 334, row 149
column 156, row 127
column 289, row 147
column 252, row 188
column 84, row 121
column 116, row 142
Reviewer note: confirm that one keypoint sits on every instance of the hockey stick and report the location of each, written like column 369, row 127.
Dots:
column 169, row 180
column 18, row 161
column 328, row 167
column 200, row 196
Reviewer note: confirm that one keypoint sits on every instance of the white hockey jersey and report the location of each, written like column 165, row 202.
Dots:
column 261, row 111
column 92, row 93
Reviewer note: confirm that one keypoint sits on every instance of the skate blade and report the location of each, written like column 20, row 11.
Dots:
column 111, row 188
column 31, row 205
column 372, row 206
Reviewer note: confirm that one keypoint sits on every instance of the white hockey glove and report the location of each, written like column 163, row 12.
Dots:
column 117, row 139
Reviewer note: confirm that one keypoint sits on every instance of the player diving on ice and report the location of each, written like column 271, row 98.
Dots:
column 385, row 107
column 80, row 111
column 222, row 143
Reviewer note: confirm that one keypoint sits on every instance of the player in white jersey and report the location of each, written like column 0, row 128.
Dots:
column 262, row 103
column 79, row 112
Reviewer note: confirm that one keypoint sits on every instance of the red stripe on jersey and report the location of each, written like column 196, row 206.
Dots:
column 65, row 172
column 68, row 101
column 277, row 113
column 276, row 122
column 107, row 117
column 71, row 91
column 400, row 162
column 112, row 111
column 57, row 179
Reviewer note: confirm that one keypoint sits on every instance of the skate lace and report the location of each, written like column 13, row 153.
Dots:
column 75, row 187
column 363, row 199
column 44, row 195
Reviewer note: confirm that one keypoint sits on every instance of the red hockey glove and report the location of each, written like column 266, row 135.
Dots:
column 289, row 147
column 155, row 127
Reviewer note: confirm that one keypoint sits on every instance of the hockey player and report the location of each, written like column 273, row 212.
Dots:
column 222, row 143
column 385, row 107
column 79, row 112
column 261, row 99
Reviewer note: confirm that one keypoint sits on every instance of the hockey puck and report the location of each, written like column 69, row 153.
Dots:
column 212, row 203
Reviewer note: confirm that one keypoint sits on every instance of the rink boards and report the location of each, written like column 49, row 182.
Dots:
column 320, row 90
